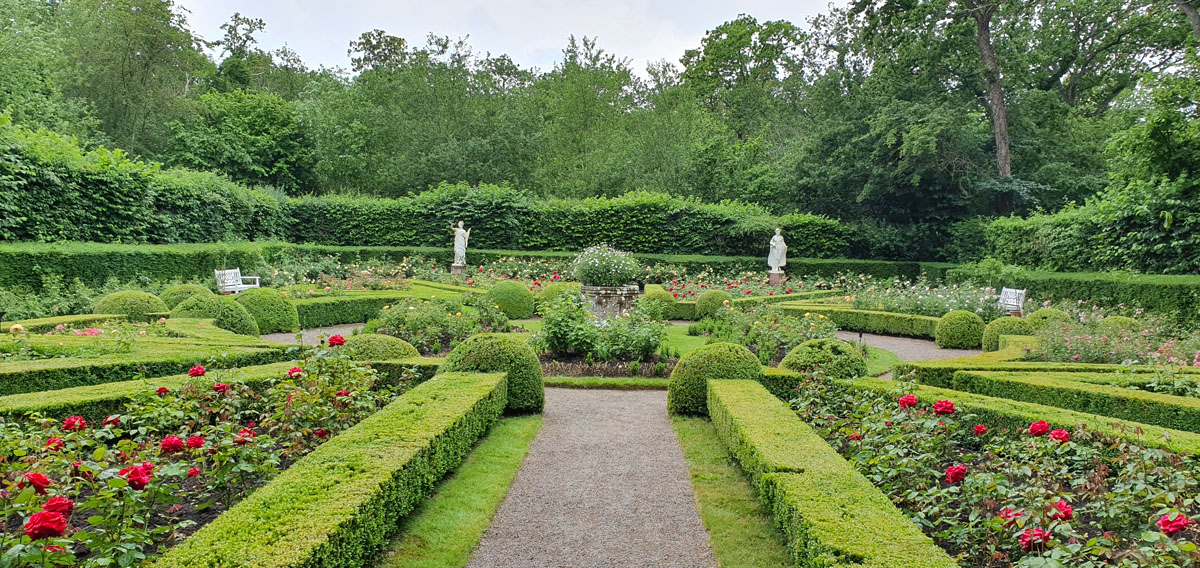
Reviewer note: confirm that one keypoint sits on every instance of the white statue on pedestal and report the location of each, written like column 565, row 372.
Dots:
column 460, row 243
column 777, row 258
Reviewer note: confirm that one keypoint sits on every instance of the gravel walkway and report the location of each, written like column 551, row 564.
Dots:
column 908, row 348
column 311, row 336
column 604, row 485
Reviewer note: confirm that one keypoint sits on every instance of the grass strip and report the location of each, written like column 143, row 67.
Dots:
column 612, row 383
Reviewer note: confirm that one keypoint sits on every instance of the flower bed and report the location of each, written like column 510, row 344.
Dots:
column 993, row 495
column 766, row 329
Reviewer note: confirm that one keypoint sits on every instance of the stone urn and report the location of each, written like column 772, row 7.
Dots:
column 606, row 302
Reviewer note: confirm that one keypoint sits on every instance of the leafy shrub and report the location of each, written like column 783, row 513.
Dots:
column 429, row 325
column 1006, row 325
column 658, row 301
column 709, row 302
column 379, row 347
column 959, row 329
column 836, row 358
column 1116, row 325
column 567, row 326
column 1045, row 316
column 227, row 313
column 553, row 290
column 602, row 265
column 271, row 310
column 922, row 297
column 175, row 294
column 632, row 337
column 766, row 329
column 687, row 393
column 490, row 352
column 137, row 306
column 514, row 299
column 1093, row 341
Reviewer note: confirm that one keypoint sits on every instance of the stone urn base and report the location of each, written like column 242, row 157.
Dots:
column 774, row 278
column 457, row 269
column 606, row 302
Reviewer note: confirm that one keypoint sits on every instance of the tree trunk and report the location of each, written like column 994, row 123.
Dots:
column 995, row 89
column 1192, row 13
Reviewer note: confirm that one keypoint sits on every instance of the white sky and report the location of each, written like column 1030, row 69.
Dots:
column 532, row 32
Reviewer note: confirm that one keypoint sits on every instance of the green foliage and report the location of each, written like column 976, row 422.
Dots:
column 489, row 352
column 515, row 300
column 710, row 302
column 553, row 290
column 226, row 312
column 833, row 357
column 1046, row 316
column 133, row 304
column 428, row 325
column 886, row 323
column 659, row 300
column 603, row 265
column 959, row 329
column 1118, row 325
column 687, row 392
column 634, row 337
column 173, row 295
column 379, row 347
column 271, row 310
column 567, row 327
column 336, row 310
column 1006, row 325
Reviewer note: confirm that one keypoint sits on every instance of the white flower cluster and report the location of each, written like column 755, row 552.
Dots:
column 603, row 265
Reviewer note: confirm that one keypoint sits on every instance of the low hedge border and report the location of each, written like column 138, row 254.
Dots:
column 43, row 325
column 686, row 309
column 1017, row 415
column 354, row 307
column 941, row 371
column 339, row 505
column 829, row 513
column 1062, row 391
column 608, row 383
column 883, row 323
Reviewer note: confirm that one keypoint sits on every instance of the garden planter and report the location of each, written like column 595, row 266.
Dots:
column 610, row 301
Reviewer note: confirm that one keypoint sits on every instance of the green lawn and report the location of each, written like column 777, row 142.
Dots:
column 880, row 361
column 741, row 532
column 445, row 529
column 615, row 383
column 677, row 338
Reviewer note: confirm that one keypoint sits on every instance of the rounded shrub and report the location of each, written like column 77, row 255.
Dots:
column 378, row 347
column 227, row 313
column 271, row 310
column 492, row 352
column 663, row 301
column 959, row 329
column 175, row 294
column 515, row 300
column 1006, row 325
column 133, row 304
column 687, row 393
column 709, row 302
column 834, row 357
column 553, row 290
column 1120, row 325
column 1041, row 317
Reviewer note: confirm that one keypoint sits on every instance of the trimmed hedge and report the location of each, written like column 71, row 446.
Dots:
column 686, row 309
column 829, row 513
column 376, row 347
column 883, row 323
column 133, row 304
column 339, row 505
column 173, row 295
column 515, row 300
column 271, row 310
column 709, row 302
column 687, row 392
column 1044, row 316
column 225, row 312
column 493, row 352
column 940, row 371
column 354, row 307
column 959, row 329
column 1006, row 325
column 42, row 325
column 836, row 358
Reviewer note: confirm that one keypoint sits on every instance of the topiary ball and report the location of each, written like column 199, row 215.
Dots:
column 553, row 290
column 959, row 329
column 493, row 352
column 1120, row 326
column 836, row 358
column 687, row 393
column 271, row 310
column 227, row 313
column 515, row 300
column 1006, row 325
column 180, row 292
column 709, row 302
column 1040, row 318
column 377, row 347
column 133, row 304
column 664, row 301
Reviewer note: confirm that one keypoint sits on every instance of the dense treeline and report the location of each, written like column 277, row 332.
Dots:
column 906, row 120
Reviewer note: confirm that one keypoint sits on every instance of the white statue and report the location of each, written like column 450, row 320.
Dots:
column 460, row 243
column 777, row 258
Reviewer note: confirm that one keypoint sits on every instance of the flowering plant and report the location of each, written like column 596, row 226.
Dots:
column 602, row 265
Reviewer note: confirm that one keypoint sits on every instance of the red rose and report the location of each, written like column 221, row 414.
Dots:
column 193, row 472
column 1062, row 511
column 342, row 393
column 45, row 524
column 54, row 444
column 197, row 371
column 943, row 407
column 337, row 340
column 244, row 436
column 1061, row 435
column 54, row 549
column 60, row 505
column 73, row 423
column 295, row 372
column 39, row 482
column 980, row 429
column 171, row 444
column 907, row 401
column 221, row 388
column 1032, row 536
column 1039, row 428
column 1010, row 516
column 195, row 442
column 112, row 420
column 137, row 476
column 855, row 436
column 956, row 473
column 320, row 433
column 1171, row 526
column 162, row 391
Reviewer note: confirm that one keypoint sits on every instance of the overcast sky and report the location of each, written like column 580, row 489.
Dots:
column 532, row 32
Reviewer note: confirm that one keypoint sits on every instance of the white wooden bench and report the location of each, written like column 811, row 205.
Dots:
column 1011, row 300
column 232, row 281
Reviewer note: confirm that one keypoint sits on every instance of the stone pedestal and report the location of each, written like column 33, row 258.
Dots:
column 607, row 302
column 457, row 269
column 775, row 278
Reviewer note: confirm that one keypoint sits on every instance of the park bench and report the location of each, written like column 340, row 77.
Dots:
column 1011, row 301
column 232, row 281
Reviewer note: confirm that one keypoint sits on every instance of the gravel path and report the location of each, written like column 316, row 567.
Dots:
column 908, row 348
column 604, row 484
column 312, row 335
